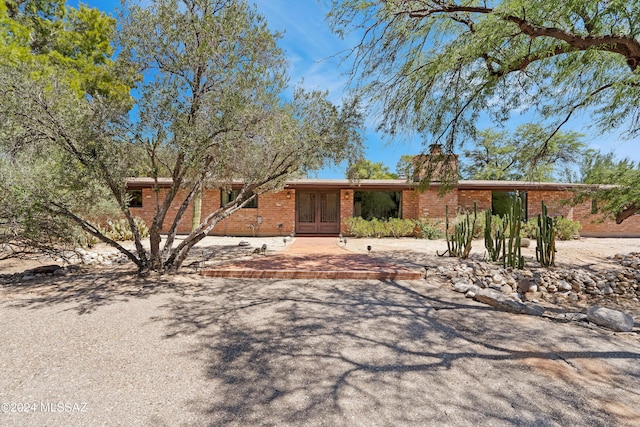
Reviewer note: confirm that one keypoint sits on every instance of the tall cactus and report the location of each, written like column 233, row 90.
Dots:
column 503, row 243
column 459, row 243
column 513, row 256
column 545, row 239
column 494, row 241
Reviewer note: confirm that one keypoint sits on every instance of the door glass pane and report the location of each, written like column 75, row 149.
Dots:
column 329, row 207
column 306, row 207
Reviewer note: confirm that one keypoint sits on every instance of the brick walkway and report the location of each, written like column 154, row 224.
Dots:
column 314, row 258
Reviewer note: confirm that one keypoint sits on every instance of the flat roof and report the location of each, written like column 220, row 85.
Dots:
column 392, row 184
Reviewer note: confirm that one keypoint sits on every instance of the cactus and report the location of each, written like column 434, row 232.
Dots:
column 503, row 244
column 459, row 243
column 513, row 254
column 545, row 239
column 494, row 244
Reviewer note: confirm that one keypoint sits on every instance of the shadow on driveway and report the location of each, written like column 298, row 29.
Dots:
column 380, row 353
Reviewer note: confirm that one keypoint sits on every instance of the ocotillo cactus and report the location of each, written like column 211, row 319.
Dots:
column 545, row 239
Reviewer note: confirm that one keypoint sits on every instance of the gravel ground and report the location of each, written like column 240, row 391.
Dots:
column 184, row 350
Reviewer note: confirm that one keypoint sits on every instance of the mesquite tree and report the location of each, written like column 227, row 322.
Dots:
column 435, row 66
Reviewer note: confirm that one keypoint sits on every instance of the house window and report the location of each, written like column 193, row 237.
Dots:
column 134, row 198
column 377, row 204
column 227, row 196
column 500, row 201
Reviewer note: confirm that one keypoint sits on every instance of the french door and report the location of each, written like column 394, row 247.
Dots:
column 317, row 212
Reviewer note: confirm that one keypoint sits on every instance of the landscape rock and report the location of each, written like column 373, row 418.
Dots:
column 499, row 301
column 563, row 286
column 533, row 309
column 506, row 289
column 611, row 319
column 464, row 287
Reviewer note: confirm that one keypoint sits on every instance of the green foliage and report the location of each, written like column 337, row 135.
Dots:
column 427, row 230
column 459, row 242
column 545, row 239
column 435, row 66
column 502, row 156
column 209, row 109
column 529, row 229
column 567, row 229
column 620, row 199
column 359, row 227
column 394, row 227
column 120, row 230
column 366, row 169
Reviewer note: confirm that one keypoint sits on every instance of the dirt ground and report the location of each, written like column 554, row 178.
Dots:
column 102, row 346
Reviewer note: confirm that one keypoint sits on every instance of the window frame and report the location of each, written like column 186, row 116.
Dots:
column 232, row 195
column 132, row 201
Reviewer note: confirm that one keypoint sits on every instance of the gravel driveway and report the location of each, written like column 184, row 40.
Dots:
column 117, row 350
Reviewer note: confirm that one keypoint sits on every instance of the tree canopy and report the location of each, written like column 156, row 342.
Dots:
column 366, row 169
column 501, row 155
column 620, row 193
column 437, row 66
column 209, row 112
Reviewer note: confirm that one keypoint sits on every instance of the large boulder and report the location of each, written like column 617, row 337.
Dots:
column 611, row 319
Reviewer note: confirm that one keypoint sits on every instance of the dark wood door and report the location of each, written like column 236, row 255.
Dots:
column 317, row 212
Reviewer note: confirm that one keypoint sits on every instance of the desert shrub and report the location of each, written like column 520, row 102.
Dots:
column 119, row 230
column 400, row 227
column 394, row 227
column 478, row 230
column 567, row 229
column 426, row 230
column 529, row 228
column 380, row 228
column 359, row 227
column 83, row 239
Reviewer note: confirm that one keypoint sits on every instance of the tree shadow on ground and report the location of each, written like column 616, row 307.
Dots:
column 368, row 352
column 379, row 353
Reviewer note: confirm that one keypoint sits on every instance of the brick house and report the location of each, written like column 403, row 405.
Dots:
column 320, row 206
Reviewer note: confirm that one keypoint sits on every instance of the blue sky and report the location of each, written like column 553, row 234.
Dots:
column 315, row 58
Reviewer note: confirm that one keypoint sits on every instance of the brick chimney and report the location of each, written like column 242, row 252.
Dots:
column 435, row 165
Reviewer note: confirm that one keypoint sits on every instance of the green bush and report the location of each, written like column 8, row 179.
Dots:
column 401, row 227
column 394, row 227
column 528, row 229
column 567, row 229
column 359, row 227
column 424, row 229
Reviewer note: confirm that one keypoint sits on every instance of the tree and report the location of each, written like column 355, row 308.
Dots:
column 49, row 42
column 435, row 66
column 617, row 192
column 499, row 155
column 366, row 169
column 209, row 112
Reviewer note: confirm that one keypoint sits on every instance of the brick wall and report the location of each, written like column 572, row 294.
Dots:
column 346, row 209
column 409, row 204
column 275, row 214
column 432, row 205
column 556, row 202
column 467, row 197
